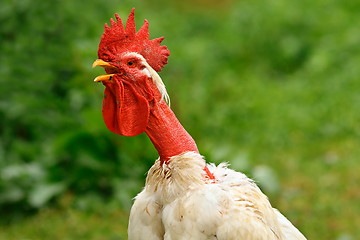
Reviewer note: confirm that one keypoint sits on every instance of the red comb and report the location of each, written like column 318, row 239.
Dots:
column 118, row 39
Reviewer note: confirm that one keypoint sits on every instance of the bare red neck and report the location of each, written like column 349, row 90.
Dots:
column 167, row 134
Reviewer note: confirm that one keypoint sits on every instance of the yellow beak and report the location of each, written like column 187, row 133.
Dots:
column 102, row 63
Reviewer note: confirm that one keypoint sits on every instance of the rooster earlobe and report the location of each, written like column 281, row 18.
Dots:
column 127, row 113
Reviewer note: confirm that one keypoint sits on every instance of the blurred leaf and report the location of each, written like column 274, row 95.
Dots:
column 266, row 178
column 41, row 194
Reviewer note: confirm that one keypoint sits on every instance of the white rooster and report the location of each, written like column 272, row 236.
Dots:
column 184, row 198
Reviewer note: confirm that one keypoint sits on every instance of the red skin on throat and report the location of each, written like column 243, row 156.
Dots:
column 132, row 107
column 167, row 134
column 126, row 104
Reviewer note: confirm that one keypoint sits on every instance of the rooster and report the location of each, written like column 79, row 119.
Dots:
column 183, row 198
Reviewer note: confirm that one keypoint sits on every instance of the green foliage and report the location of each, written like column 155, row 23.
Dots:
column 269, row 86
column 53, row 138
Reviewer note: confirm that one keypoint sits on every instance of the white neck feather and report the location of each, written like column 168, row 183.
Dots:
column 173, row 178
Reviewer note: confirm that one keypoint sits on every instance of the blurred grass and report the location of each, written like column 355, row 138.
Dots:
column 69, row 223
column 271, row 87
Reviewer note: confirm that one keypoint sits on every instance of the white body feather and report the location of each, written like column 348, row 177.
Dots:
column 180, row 203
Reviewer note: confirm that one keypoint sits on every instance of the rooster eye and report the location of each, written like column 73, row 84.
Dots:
column 130, row 63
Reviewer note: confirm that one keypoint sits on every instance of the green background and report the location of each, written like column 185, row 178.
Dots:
column 272, row 87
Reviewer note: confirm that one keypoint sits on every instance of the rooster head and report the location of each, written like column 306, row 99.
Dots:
column 132, row 85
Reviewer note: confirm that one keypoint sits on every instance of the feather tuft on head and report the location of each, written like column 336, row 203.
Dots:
column 116, row 39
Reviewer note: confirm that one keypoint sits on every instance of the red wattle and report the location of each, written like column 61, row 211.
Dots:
column 125, row 110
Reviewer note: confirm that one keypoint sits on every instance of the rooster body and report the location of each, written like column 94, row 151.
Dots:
column 179, row 202
column 183, row 198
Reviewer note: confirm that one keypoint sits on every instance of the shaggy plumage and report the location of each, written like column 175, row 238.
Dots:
column 180, row 202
